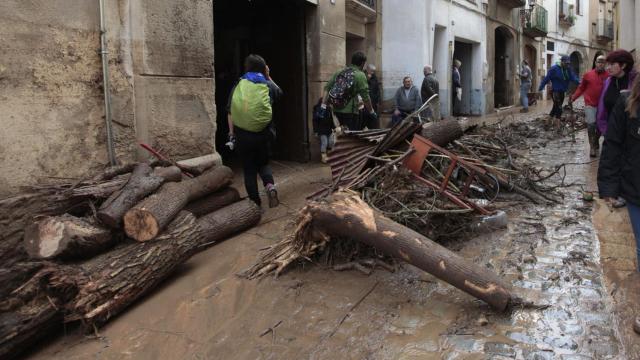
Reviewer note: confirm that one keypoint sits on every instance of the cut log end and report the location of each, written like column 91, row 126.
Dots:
column 42, row 239
column 141, row 225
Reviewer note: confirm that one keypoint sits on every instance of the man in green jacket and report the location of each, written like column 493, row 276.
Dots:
column 353, row 82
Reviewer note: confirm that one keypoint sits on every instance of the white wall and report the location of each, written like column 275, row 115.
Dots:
column 408, row 43
column 628, row 36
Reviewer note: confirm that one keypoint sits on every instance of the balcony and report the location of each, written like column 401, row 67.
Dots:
column 566, row 16
column 364, row 8
column 604, row 30
column 536, row 22
column 512, row 4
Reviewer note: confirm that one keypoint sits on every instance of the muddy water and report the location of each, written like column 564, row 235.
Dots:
column 549, row 254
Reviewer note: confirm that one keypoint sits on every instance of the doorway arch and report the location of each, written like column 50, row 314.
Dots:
column 576, row 62
column 502, row 87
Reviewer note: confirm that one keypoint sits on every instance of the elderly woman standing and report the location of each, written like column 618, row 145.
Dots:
column 619, row 170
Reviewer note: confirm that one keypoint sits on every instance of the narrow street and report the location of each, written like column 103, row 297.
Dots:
column 551, row 256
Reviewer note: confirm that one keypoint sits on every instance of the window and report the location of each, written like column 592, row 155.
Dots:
column 551, row 46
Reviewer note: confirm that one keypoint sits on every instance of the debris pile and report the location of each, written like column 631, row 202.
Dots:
column 407, row 186
column 85, row 251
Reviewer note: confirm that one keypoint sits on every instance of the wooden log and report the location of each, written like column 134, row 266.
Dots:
column 142, row 182
column 346, row 215
column 15, row 275
column 213, row 202
column 443, row 132
column 66, row 237
column 18, row 211
column 112, row 281
column 146, row 220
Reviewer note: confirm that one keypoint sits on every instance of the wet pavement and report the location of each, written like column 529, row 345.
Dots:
column 550, row 254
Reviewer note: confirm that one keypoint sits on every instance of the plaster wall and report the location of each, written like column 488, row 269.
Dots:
column 51, row 89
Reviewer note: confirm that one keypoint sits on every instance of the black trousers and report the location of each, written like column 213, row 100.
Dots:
column 558, row 100
column 351, row 121
column 253, row 150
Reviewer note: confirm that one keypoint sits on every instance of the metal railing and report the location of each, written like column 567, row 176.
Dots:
column 369, row 3
column 537, row 20
column 605, row 29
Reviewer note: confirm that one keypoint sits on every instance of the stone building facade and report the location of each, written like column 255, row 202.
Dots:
column 160, row 56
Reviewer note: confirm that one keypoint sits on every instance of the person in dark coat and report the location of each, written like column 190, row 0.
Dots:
column 374, row 87
column 323, row 127
column 619, row 169
column 430, row 87
column 456, row 83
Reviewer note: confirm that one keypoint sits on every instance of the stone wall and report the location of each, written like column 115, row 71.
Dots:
column 51, row 88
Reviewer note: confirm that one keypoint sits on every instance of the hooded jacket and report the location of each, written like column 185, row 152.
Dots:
column 559, row 78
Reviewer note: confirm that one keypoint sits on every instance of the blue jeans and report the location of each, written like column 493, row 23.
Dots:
column 327, row 142
column 634, row 215
column 524, row 94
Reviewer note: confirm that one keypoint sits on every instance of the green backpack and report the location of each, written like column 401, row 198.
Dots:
column 251, row 106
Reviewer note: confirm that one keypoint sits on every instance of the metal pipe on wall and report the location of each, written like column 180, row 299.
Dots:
column 105, row 84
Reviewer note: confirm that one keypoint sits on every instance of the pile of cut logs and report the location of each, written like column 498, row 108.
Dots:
column 85, row 251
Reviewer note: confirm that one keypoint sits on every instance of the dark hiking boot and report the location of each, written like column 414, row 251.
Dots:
column 593, row 142
column 524, row 110
column 272, row 194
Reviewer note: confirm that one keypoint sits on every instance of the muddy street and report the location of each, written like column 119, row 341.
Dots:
column 550, row 254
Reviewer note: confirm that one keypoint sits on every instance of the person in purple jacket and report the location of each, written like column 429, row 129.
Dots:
column 621, row 75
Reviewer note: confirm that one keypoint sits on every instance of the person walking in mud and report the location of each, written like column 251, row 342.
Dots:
column 250, row 116
column 456, row 83
column 619, row 169
column 591, row 88
column 525, row 85
column 560, row 75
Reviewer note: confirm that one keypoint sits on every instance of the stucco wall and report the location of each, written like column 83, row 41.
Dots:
column 51, row 89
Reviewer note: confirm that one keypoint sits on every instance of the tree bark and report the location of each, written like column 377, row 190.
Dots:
column 66, row 237
column 443, row 132
column 146, row 220
column 16, row 212
column 346, row 215
column 213, row 202
column 142, row 182
column 110, row 282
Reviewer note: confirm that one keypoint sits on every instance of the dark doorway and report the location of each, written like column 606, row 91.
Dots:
column 502, row 90
column 576, row 64
column 593, row 64
column 463, row 51
column 243, row 27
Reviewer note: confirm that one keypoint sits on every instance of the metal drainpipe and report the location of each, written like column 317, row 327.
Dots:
column 105, row 83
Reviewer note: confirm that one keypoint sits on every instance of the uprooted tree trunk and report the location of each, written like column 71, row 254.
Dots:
column 146, row 220
column 66, row 236
column 213, row 202
column 347, row 216
column 102, row 287
column 142, row 182
column 443, row 132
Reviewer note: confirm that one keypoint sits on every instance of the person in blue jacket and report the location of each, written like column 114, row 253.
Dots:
column 560, row 76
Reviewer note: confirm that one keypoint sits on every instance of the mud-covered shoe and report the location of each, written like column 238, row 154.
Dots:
column 272, row 194
column 324, row 158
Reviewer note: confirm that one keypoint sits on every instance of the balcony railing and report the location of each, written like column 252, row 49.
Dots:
column 369, row 3
column 566, row 16
column 605, row 30
column 536, row 22
column 512, row 4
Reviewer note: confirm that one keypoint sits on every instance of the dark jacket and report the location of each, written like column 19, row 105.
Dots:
column 560, row 79
column 603, row 115
column 455, row 78
column 430, row 87
column 322, row 121
column 619, row 170
column 406, row 103
column 374, row 90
